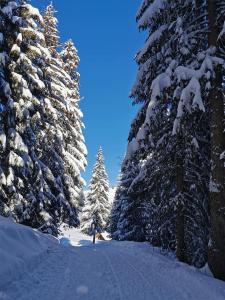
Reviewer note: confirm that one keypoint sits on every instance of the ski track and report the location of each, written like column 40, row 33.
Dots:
column 112, row 271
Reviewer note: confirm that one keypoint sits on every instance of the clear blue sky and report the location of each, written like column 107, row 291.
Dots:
column 107, row 38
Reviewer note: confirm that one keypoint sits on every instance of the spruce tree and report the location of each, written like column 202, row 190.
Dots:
column 39, row 106
column 97, row 206
column 25, row 189
column 50, row 29
column 63, row 93
column 74, row 138
column 164, row 142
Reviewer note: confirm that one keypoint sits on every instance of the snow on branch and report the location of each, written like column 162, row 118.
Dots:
column 33, row 12
column 191, row 93
column 150, row 12
column 154, row 37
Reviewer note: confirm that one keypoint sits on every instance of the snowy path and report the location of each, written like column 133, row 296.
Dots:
column 112, row 270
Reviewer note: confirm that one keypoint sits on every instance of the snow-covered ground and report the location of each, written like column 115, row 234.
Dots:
column 108, row 270
column 20, row 247
column 73, row 237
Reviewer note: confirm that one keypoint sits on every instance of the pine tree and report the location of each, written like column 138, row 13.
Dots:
column 165, row 137
column 97, row 207
column 50, row 29
column 63, row 93
column 70, row 58
column 74, row 139
column 25, row 189
column 38, row 109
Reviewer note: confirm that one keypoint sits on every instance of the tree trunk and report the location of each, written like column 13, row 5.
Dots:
column 181, row 252
column 216, row 251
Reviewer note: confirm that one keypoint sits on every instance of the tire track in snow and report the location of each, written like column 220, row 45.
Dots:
column 142, row 276
column 135, row 285
column 114, row 274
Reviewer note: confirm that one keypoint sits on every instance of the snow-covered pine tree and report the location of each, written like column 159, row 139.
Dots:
column 97, row 206
column 155, row 57
column 180, row 46
column 126, row 222
column 70, row 58
column 4, row 201
column 126, row 218
column 201, row 83
column 63, row 93
column 50, row 29
column 24, row 176
column 74, row 139
column 169, row 44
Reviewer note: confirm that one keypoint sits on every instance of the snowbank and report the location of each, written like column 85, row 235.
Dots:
column 20, row 246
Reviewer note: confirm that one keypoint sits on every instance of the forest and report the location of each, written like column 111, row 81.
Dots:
column 170, row 192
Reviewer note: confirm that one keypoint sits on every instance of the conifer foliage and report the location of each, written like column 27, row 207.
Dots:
column 27, row 193
column 174, row 164
column 97, row 207
column 34, row 184
column 50, row 28
column 63, row 84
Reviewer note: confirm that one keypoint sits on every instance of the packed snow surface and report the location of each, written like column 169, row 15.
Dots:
column 106, row 270
column 20, row 247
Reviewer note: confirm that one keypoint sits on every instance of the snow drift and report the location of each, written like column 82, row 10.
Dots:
column 20, row 247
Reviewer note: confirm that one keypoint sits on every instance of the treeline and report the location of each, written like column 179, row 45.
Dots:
column 42, row 148
column 172, row 184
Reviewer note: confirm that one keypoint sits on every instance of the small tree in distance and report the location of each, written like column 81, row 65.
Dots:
column 97, row 206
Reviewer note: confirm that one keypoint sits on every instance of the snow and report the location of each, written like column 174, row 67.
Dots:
column 27, row 94
column 20, row 246
column 15, row 160
column 35, row 50
column 112, row 192
column 154, row 37
column 3, row 140
column 1, row 37
column 34, row 12
column 195, row 143
column 77, row 269
column 10, row 178
column 19, row 38
column 15, row 49
column 214, row 187
column 74, row 237
column 8, row 9
column 191, row 93
column 152, row 10
column 3, row 58
column 159, row 84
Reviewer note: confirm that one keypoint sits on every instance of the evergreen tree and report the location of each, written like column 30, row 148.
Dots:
column 97, row 206
column 24, row 187
column 168, row 141
column 70, row 58
column 39, row 108
column 50, row 29
column 63, row 93
column 75, row 141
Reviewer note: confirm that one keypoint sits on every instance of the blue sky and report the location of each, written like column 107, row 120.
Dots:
column 107, row 38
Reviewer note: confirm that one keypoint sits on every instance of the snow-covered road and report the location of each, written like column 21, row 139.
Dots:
column 111, row 270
